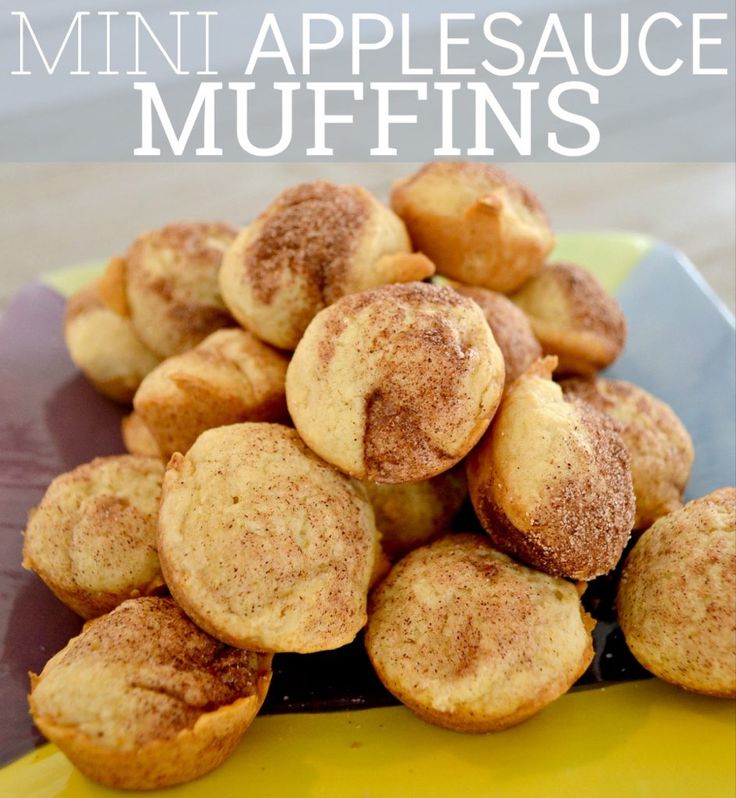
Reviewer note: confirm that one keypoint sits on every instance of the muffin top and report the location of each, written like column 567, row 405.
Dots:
column 510, row 328
column 93, row 536
column 676, row 597
column 395, row 384
column 315, row 243
column 137, row 438
column 471, row 639
column 659, row 446
column 144, row 672
column 476, row 223
column 171, row 282
column 551, row 480
column 229, row 377
column 105, row 346
column 461, row 184
column 263, row 544
column 574, row 318
column 410, row 514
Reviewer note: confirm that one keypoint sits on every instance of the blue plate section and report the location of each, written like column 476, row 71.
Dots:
column 671, row 309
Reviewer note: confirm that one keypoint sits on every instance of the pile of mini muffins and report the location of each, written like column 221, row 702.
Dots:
column 314, row 396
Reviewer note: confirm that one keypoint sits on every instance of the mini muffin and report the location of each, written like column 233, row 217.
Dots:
column 476, row 223
column 93, row 537
column 659, row 446
column 551, row 481
column 264, row 545
column 231, row 376
column 137, row 438
column 470, row 640
column 574, row 318
column 677, row 598
column 395, row 384
column 104, row 346
column 510, row 328
column 142, row 698
column 171, row 283
column 315, row 243
column 411, row 514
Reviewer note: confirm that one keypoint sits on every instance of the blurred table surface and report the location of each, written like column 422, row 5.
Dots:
column 56, row 215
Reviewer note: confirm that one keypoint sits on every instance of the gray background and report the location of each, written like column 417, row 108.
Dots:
column 57, row 215
column 642, row 117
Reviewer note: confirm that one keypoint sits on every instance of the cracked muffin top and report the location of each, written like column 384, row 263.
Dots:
column 142, row 673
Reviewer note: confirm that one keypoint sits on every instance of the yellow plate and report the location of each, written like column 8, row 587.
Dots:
column 635, row 739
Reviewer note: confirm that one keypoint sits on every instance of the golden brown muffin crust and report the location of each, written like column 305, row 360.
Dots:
column 527, row 197
column 173, row 671
column 561, row 531
column 229, row 377
column 676, row 596
column 419, row 377
column 411, row 514
column 574, row 318
column 143, row 698
column 562, row 500
column 137, row 438
column 104, row 345
column 172, row 284
column 510, row 328
column 314, row 232
column 473, row 641
column 482, row 174
column 475, row 222
column 659, row 446
column 112, row 286
column 314, row 243
column 300, row 540
column 590, row 308
column 92, row 538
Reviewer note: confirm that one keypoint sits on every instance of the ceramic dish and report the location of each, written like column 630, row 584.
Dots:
column 329, row 728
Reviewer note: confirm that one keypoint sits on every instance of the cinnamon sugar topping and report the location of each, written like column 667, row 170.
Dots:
column 311, row 232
